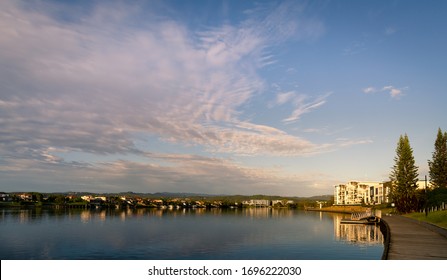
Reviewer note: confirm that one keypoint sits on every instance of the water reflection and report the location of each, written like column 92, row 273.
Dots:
column 252, row 233
column 357, row 233
column 87, row 215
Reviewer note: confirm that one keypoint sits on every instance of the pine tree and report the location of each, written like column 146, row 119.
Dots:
column 438, row 165
column 404, row 177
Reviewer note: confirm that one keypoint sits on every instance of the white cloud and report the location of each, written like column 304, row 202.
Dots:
column 343, row 142
column 284, row 97
column 394, row 92
column 95, row 83
column 89, row 85
column 302, row 106
column 369, row 90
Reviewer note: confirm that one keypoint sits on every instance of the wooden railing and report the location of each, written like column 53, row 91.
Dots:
column 361, row 215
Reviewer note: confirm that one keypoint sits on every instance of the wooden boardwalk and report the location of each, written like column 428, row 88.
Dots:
column 413, row 240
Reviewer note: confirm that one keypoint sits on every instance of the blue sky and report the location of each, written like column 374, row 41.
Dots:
column 217, row 97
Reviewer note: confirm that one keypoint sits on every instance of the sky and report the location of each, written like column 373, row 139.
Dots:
column 216, row 97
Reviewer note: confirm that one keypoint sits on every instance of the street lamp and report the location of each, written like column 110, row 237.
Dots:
column 426, row 197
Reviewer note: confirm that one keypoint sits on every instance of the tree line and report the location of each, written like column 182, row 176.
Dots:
column 404, row 176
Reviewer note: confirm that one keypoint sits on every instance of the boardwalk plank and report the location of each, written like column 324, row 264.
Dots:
column 412, row 240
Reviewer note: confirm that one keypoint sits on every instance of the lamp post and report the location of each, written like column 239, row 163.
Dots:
column 426, row 197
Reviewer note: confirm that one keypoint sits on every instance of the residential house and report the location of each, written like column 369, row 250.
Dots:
column 5, row 197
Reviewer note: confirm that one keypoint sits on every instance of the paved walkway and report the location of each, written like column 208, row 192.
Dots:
column 413, row 240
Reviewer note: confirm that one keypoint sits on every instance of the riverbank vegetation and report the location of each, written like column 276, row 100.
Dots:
column 438, row 218
column 404, row 191
column 404, row 177
column 164, row 200
column 341, row 209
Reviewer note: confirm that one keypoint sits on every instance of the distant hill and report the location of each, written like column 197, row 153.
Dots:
column 192, row 195
column 321, row 197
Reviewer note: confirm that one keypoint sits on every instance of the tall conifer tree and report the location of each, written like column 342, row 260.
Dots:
column 404, row 177
column 438, row 164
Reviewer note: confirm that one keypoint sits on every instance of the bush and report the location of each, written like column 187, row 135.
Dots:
column 437, row 196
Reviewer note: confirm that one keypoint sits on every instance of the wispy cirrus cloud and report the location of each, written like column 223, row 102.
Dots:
column 81, row 89
column 284, row 97
column 302, row 104
column 89, row 85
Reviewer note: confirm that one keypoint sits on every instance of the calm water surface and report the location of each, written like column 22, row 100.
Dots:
column 261, row 233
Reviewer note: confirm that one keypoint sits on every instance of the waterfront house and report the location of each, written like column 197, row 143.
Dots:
column 277, row 202
column 257, row 202
column 26, row 197
column 5, row 197
column 87, row 198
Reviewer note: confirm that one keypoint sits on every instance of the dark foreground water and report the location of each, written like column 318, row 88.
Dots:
column 261, row 233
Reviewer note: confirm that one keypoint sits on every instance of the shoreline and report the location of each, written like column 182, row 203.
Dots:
column 403, row 246
column 384, row 227
column 339, row 209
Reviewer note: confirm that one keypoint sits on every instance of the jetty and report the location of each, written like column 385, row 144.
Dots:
column 365, row 217
column 413, row 240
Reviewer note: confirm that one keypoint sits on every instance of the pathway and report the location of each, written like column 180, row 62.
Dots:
column 414, row 240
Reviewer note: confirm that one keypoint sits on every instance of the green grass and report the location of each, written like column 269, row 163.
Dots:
column 9, row 204
column 438, row 218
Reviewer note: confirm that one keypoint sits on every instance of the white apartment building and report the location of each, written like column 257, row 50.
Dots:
column 357, row 192
column 257, row 202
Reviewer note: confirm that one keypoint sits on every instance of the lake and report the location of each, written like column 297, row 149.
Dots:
column 247, row 234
